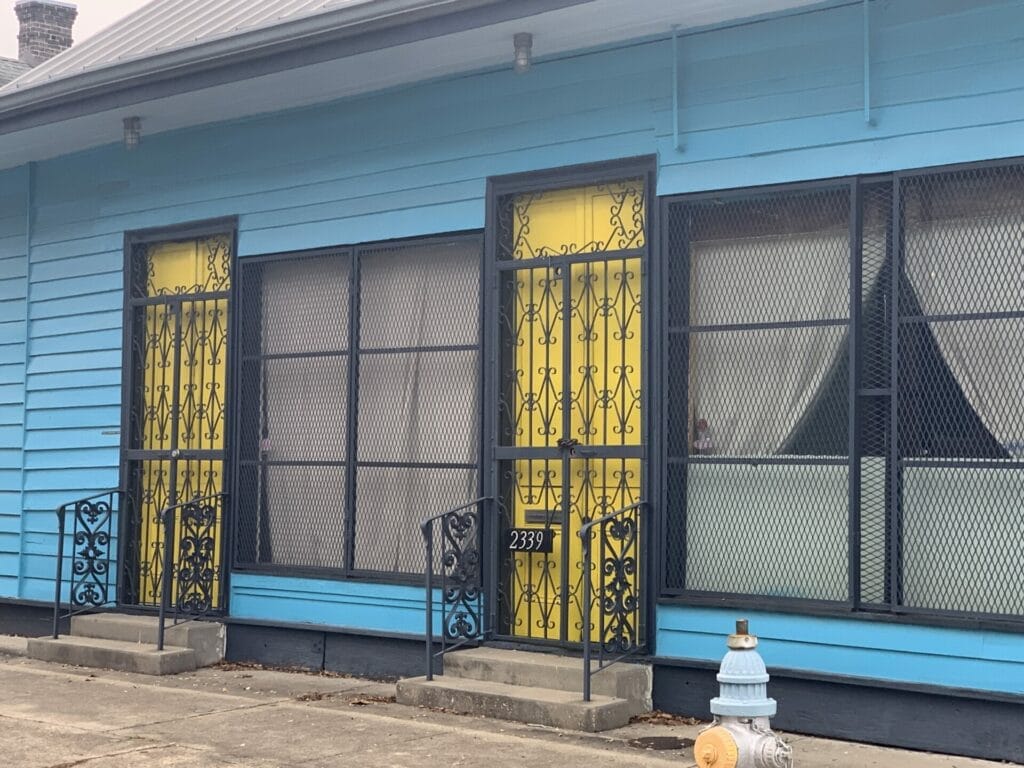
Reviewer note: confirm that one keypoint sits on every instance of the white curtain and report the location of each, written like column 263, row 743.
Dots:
column 960, row 524
column 416, row 405
column 753, row 386
column 975, row 265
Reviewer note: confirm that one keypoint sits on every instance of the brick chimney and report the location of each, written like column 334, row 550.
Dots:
column 45, row 29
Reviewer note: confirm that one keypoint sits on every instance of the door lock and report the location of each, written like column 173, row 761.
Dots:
column 568, row 444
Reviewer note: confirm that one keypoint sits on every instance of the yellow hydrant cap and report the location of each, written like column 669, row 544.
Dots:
column 715, row 748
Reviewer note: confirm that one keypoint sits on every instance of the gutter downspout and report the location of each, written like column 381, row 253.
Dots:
column 675, row 90
column 868, row 119
column 30, row 193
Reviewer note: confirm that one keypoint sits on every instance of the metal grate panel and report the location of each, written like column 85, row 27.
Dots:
column 758, row 400
column 929, row 503
column 419, row 296
column 419, row 407
column 293, row 516
column 393, row 501
column 961, row 420
column 404, row 402
column 767, row 530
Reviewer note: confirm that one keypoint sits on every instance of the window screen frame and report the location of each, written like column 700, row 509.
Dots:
column 353, row 254
column 892, row 611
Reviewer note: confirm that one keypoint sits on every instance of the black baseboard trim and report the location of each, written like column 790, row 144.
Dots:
column 912, row 717
column 379, row 656
column 28, row 618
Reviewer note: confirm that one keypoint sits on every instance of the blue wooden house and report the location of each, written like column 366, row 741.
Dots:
column 734, row 288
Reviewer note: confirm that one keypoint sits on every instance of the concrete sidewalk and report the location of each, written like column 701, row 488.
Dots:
column 57, row 717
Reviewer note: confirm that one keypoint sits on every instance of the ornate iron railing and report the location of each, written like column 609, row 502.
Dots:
column 92, row 535
column 462, row 594
column 192, row 555
column 620, row 590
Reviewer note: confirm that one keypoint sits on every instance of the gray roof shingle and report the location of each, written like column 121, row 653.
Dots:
column 166, row 25
column 10, row 69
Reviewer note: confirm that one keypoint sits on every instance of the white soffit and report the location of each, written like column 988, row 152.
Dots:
column 587, row 25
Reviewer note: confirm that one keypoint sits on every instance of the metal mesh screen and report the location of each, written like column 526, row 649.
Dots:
column 758, row 373
column 418, row 438
column 874, row 400
column 960, row 392
column 304, row 499
column 763, row 496
column 294, row 411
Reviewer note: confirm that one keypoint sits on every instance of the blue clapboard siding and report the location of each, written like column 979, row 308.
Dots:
column 13, row 313
column 349, row 604
column 959, row 658
column 774, row 101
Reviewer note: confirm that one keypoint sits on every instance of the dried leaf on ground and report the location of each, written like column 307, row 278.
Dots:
column 665, row 718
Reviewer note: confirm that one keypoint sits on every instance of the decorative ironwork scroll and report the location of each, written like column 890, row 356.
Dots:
column 178, row 268
column 461, row 576
column 579, row 220
column 570, row 389
column 618, row 596
column 462, row 619
column 175, row 446
column 618, row 587
column 91, row 556
column 90, row 585
column 198, row 560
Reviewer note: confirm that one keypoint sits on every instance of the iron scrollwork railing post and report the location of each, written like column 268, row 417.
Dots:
column 198, row 576
column 463, row 615
column 620, row 590
column 89, row 586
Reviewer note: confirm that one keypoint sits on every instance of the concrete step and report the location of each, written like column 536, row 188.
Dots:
column 206, row 638
column 524, row 704
column 113, row 654
column 545, row 670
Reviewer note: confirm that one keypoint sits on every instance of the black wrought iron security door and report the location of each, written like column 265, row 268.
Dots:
column 570, row 434
column 174, row 450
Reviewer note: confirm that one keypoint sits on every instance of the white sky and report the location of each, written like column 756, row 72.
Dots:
column 93, row 15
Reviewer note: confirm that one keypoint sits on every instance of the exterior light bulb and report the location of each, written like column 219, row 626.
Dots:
column 132, row 133
column 523, row 42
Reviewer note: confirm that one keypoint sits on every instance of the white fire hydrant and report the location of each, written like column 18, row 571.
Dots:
column 741, row 735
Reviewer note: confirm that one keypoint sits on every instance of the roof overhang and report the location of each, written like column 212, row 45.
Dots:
column 356, row 49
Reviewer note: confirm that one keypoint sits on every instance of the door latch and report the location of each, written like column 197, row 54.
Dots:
column 568, row 444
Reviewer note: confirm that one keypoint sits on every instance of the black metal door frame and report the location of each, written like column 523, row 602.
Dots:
column 496, row 272
column 129, row 522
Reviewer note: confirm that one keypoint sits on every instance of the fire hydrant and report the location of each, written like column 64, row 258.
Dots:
column 741, row 735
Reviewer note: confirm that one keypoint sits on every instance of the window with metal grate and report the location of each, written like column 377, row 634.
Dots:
column 359, row 403
column 769, row 493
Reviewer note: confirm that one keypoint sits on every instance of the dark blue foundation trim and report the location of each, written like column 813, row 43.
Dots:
column 28, row 618
column 375, row 655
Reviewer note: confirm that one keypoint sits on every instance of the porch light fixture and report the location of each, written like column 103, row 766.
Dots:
column 523, row 42
column 132, row 133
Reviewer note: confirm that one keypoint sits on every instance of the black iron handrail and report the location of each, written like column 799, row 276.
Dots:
column 460, row 562
column 619, row 599
column 89, row 586
column 204, row 516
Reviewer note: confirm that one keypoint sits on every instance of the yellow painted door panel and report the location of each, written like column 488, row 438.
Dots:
column 572, row 378
column 182, row 388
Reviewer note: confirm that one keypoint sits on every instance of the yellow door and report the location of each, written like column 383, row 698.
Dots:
column 176, row 455
column 570, row 425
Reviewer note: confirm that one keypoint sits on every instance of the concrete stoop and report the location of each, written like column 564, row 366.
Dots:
column 128, row 644
column 532, row 688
